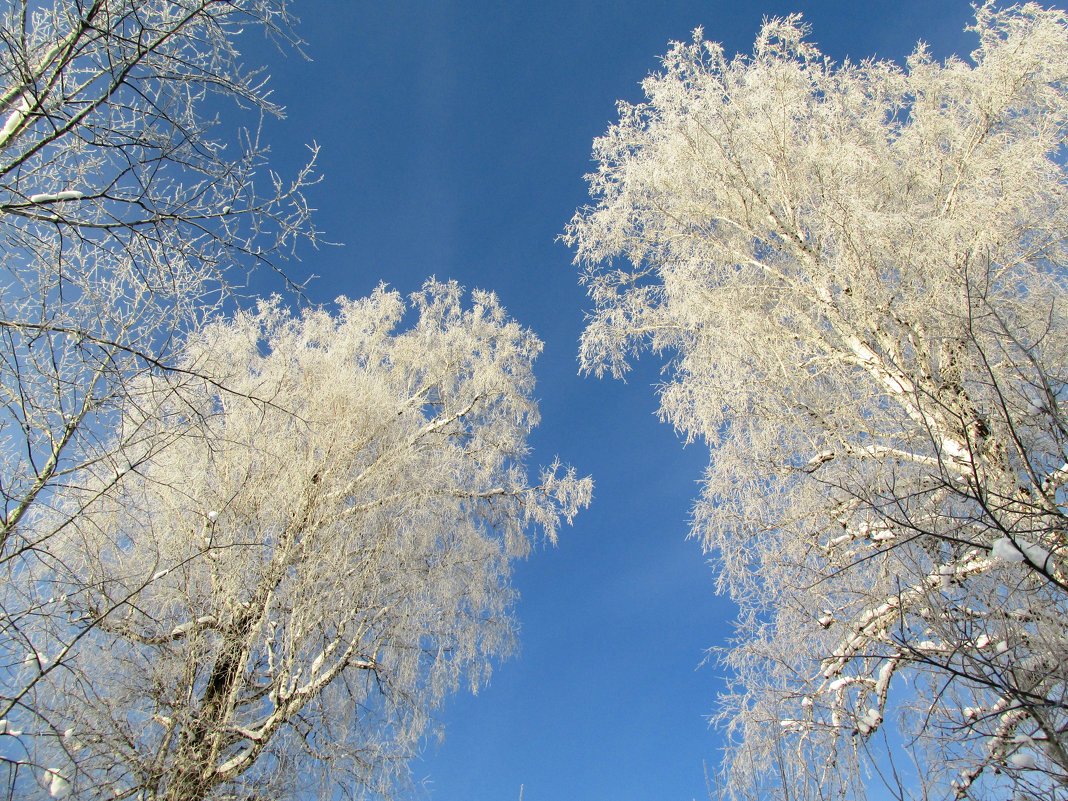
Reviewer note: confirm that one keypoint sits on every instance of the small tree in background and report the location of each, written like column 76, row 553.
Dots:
column 288, row 576
column 860, row 271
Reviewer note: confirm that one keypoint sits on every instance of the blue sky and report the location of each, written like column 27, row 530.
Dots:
column 454, row 139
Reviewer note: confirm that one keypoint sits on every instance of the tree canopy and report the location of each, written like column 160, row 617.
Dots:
column 304, row 545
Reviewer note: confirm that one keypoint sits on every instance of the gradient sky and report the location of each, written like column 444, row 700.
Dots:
column 454, row 137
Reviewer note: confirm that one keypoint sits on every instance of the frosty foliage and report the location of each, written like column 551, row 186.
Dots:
column 858, row 271
column 289, row 574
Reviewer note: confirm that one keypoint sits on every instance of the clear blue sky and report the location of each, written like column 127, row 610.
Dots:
column 454, row 138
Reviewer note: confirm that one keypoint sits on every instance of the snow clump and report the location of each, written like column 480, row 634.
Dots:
column 1022, row 760
column 57, row 784
column 1013, row 551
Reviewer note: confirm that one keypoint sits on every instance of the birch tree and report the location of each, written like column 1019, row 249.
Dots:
column 126, row 214
column 857, row 274
column 290, row 573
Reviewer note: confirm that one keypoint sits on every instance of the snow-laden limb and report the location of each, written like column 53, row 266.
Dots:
column 857, row 274
column 124, row 629
column 1012, row 550
column 52, row 197
column 15, row 118
column 879, row 623
column 1009, row 716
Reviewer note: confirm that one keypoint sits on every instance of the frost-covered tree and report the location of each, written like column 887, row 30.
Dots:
column 124, row 212
column 859, row 273
column 121, row 210
column 290, row 573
